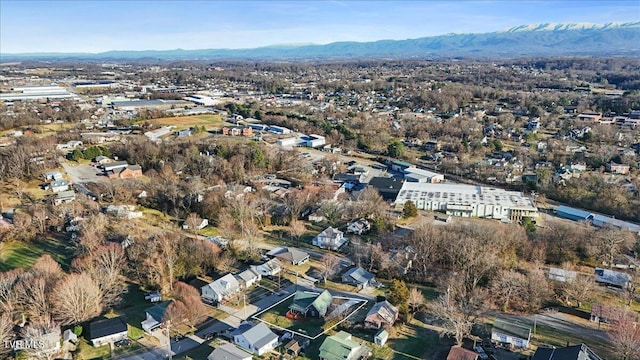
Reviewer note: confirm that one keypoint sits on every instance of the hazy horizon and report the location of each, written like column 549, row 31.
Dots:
column 100, row 26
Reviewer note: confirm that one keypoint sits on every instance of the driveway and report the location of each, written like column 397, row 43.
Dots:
column 81, row 173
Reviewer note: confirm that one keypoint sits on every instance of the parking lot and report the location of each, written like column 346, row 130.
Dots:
column 82, row 173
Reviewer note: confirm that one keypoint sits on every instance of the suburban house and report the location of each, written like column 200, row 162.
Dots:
column 155, row 316
column 108, row 331
column 512, row 333
column 612, row 278
column 574, row 352
column 358, row 226
column 381, row 314
column 203, row 224
column 123, row 211
column 59, row 186
column 310, row 304
column 295, row 346
column 64, row 197
column 114, row 166
column 52, row 175
column 237, row 130
column 221, row 289
column 129, row 172
column 341, row 346
column 381, row 337
column 460, row 353
column 101, row 160
column 229, row 352
column 617, row 168
column 329, row 238
column 257, row 339
column 359, row 277
column 269, row 268
column 248, row 277
column 289, row 255
column 562, row 275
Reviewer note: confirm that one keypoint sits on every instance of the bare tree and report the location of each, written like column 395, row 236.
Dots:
column 296, row 229
column 507, row 286
column 33, row 296
column 6, row 328
column 416, row 299
column 192, row 222
column 91, row 234
column 330, row 264
column 456, row 323
column 76, row 299
column 610, row 242
column 625, row 334
column 580, row 289
column 8, row 295
column 194, row 311
column 105, row 266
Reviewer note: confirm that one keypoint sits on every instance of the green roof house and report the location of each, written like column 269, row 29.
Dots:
column 341, row 347
column 310, row 304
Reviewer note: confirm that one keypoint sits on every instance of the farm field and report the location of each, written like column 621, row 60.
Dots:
column 186, row 121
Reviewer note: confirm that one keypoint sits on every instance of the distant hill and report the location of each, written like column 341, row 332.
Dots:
column 579, row 39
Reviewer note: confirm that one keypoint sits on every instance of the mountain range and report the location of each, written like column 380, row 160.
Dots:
column 549, row 39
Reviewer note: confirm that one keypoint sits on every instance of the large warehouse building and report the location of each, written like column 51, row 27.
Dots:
column 468, row 200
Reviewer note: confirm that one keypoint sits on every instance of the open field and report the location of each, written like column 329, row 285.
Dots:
column 186, row 121
column 17, row 254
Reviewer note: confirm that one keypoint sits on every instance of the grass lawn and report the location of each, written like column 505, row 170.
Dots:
column 550, row 336
column 17, row 254
column 133, row 308
column 415, row 340
column 209, row 231
column 86, row 352
column 199, row 352
column 187, row 121
column 276, row 316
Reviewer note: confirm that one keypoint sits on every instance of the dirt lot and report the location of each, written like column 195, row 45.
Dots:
column 196, row 120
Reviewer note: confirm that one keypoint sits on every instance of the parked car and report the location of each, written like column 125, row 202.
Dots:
column 123, row 342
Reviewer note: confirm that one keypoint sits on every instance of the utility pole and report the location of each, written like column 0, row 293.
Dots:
column 169, row 340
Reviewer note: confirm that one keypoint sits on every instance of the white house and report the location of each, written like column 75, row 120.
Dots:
column 508, row 332
column 59, row 185
column 248, row 277
column 221, row 288
column 329, row 238
column 269, row 268
column 107, row 331
column 358, row 226
column 257, row 339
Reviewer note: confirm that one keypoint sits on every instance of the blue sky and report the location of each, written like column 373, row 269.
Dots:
column 96, row 26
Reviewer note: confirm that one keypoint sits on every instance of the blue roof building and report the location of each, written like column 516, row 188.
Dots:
column 570, row 213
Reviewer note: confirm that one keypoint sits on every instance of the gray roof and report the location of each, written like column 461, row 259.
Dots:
column 292, row 255
column 248, row 275
column 512, row 328
column 228, row 352
column 575, row 352
column 331, row 233
column 385, row 310
column 66, row 194
column 358, row 275
column 225, row 285
column 259, row 335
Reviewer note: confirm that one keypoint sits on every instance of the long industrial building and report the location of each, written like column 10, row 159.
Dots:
column 468, row 200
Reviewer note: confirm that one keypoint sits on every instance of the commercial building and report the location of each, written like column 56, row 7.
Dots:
column 35, row 93
column 422, row 176
column 468, row 200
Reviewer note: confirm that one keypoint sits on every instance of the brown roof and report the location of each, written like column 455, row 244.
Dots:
column 458, row 353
